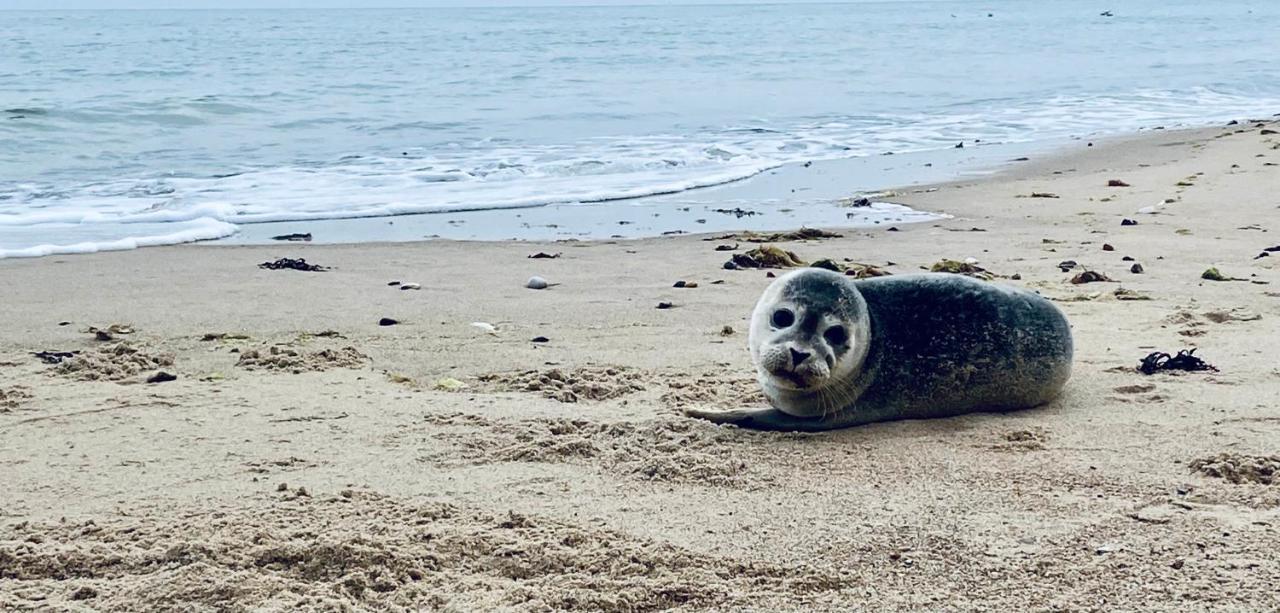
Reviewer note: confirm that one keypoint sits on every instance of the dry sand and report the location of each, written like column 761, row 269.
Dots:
column 306, row 458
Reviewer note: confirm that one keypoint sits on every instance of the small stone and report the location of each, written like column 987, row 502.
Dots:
column 770, row 275
column 540, row 339
column 283, row 487
column 665, row 305
column 1107, row 247
column 1117, row 183
column 1177, row 564
column 1136, row 268
column 162, row 377
column 410, row 286
column 1128, row 222
column 536, row 283
column 387, row 321
column 679, row 284
column 726, row 331
column 1126, row 259
column 84, row 592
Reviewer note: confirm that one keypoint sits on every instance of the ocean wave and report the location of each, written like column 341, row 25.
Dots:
column 501, row 174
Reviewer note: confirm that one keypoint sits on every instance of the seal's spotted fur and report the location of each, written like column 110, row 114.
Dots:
column 910, row 347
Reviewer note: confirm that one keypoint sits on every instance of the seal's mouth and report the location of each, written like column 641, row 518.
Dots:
column 792, row 380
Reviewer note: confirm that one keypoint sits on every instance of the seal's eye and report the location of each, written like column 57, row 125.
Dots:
column 836, row 336
column 783, row 318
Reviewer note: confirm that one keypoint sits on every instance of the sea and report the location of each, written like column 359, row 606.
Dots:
column 130, row 128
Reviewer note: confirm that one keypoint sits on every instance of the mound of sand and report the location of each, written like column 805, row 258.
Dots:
column 1238, row 468
column 113, row 363
column 283, row 358
column 366, row 551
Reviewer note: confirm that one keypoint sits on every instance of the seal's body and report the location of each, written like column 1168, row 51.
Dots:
column 833, row 352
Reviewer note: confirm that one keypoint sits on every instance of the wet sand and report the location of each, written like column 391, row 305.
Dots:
column 307, row 457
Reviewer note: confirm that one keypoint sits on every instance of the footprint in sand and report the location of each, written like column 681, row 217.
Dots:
column 587, row 383
column 13, row 397
column 675, row 450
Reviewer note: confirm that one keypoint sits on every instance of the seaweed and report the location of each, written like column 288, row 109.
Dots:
column 766, row 256
column 778, row 237
column 293, row 237
column 962, row 268
column 1091, row 276
column 292, row 264
column 54, row 357
column 1185, row 360
column 1213, row 274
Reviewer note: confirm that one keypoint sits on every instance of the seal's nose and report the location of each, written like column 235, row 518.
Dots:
column 798, row 357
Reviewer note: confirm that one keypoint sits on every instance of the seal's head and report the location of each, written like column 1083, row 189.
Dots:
column 809, row 335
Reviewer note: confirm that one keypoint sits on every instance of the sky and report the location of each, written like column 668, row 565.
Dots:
column 151, row 4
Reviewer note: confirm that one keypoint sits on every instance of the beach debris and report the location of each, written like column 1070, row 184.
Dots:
column 449, row 384
column 736, row 212
column 1264, row 254
column 162, row 377
column 1240, row 469
column 865, row 271
column 1128, row 222
column 1067, row 265
column 733, row 247
column 109, row 333
column 54, row 357
column 224, row 336
column 777, row 237
column 1090, row 276
column 665, row 305
column 718, row 282
column 409, row 286
column 766, row 256
column 1128, row 294
column 1108, row 247
column 387, row 321
column 828, row 264
column 1213, row 274
column 967, row 268
column 293, row 237
column 544, row 256
column 1107, row 14
column 960, row 145
column 1043, row 195
column 540, row 339
column 1221, row 317
column 1267, row 251
column 1182, row 232
column 1136, row 268
column 392, row 283
column 856, row 202
column 486, row 326
column 1117, row 183
column 1126, row 259
column 536, row 282
column 1185, row 361
column 770, row 275
column 685, row 284
column 1267, row 131
column 726, row 331
column 292, row 264
column 396, row 377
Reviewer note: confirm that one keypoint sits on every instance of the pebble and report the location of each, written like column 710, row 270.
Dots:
column 536, row 283
column 387, row 321
column 410, row 286
column 1136, row 268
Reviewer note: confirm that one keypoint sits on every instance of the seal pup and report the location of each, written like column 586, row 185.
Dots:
column 833, row 352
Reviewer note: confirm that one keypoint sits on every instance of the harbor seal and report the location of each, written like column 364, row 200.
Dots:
column 833, row 352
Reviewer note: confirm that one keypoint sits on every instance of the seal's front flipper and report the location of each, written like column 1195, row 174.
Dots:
column 762, row 419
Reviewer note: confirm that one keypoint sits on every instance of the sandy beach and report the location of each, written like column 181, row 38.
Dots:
column 307, row 457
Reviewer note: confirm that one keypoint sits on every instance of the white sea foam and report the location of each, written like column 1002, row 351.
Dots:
column 45, row 218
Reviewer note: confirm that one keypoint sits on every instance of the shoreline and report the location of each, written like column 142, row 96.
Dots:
column 352, row 446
